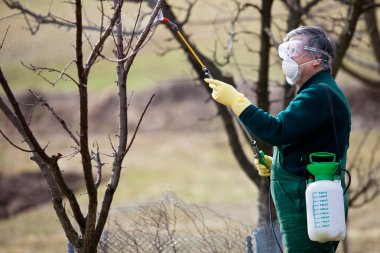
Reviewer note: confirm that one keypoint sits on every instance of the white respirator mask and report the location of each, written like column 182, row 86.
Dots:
column 294, row 48
column 291, row 69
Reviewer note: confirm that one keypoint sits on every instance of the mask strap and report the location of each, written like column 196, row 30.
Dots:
column 308, row 62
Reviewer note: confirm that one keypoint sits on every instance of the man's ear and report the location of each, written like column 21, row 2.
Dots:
column 317, row 62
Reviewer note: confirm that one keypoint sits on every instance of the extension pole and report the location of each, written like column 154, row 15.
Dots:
column 175, row 28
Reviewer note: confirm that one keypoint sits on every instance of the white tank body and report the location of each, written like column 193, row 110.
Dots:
column 325, row 211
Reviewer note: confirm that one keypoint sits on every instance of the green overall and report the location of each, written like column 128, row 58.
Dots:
column 288, row 193
column 304, row 127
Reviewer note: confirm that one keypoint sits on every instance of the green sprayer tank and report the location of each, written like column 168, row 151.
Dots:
column 324, row 200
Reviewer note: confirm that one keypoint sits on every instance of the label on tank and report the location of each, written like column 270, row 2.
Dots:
column 321, row 212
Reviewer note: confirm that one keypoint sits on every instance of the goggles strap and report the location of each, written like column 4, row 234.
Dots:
column 318, row 51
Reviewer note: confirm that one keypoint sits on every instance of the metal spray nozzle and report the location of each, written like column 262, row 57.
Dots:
column 167, row 21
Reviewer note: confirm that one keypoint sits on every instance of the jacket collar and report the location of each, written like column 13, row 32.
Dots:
column 318, row 77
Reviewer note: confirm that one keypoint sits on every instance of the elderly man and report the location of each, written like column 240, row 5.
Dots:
column 317, row 120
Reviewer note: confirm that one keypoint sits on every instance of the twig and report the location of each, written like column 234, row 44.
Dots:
column 100, row 43
column 9, row 16
column 60, row 120
column 39, row 70
column 14, row 145
column 138, row 124
column 141, row 39
column 361, row 145
column 113, row 148
column 113, row 60
column 41, row 19
column 130, row 99
column 21, row 118
column 71, row 155
column 129, row 44
column 188, row 12
column 5, row 35
column 99, row 164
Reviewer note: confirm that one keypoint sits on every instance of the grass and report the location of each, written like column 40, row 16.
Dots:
column 198, row 166
column 199, row 170
column 26, row 233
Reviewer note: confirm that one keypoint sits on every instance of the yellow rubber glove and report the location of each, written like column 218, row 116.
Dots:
column 227, row 95
column 264, row 170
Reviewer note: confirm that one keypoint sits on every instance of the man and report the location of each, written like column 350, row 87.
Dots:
column 318, row 119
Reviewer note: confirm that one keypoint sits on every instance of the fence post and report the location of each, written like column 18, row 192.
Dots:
column 104, row 241
column 70, row 247
column 249, row 244
column 267, row 238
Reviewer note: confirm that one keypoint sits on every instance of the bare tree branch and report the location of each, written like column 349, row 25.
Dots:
column 62, row 73
column 138, row 124
column 365, row 80
column 370, row 18
column 345, row 38
column 99, row 164
column 40, row 19
column 113, row 148
column 14, row 145
column 367, row 191
column 189, row 9
column 365, row 170
column 141, row 40
column 363, row 63
column 44, row 102
column 99, row 45
column 22, row 120
column 5, row 35
column 370, row 6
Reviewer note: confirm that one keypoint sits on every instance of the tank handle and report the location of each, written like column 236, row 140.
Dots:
column 318, row 157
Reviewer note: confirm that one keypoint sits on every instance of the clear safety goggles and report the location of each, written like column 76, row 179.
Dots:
column 295, row 48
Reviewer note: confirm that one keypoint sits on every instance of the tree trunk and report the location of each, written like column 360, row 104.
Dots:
column 294, row 20
column 373, row 30
column 345, row 37
column 262, row 93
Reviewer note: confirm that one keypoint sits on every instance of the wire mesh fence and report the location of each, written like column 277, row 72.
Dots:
column 171, row 225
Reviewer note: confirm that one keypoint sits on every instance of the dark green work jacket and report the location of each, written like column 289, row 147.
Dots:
column 306, row 125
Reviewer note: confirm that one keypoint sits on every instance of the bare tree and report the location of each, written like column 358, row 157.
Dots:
column 86, row 234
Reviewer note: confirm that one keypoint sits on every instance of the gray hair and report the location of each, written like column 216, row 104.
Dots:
column 316, row 38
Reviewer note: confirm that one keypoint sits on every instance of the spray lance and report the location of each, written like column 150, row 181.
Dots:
column 259, row 154
column 174, row 27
